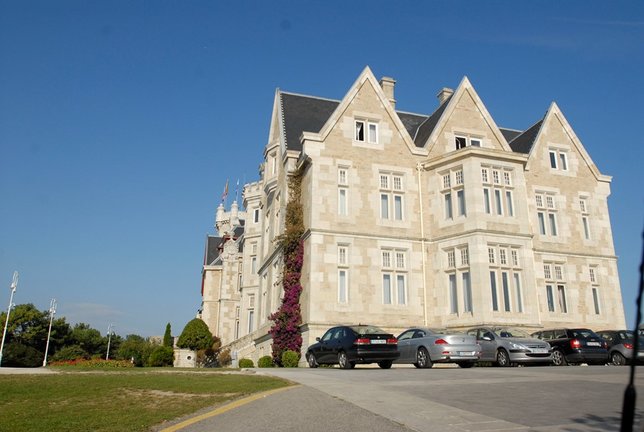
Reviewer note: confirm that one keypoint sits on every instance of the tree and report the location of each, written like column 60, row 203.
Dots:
column 136, row 349
column 27, row 336
column 167, row 337
column 195, row 336
column 89, row 340
column 161, row 356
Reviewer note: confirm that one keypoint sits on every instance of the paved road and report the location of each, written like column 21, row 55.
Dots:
column 544, row 399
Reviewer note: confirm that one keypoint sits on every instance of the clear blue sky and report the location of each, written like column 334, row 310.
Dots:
column 121, row 121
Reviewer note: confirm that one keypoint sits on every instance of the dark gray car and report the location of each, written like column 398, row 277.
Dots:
column 620, row 346
column 506, row 346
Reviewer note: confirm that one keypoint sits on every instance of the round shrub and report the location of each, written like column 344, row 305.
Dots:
column 265, row 362
column 161, row 356
column 246, row 363
column 290, row 359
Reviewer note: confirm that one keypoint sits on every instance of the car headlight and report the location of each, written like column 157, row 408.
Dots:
column 516, row 346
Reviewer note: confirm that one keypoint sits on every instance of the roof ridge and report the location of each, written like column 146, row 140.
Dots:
column 309, row 96
column 522, row 132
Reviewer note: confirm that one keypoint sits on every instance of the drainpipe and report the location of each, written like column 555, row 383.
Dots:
column 422, row 241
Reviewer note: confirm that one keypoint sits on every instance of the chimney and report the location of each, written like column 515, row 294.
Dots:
column 387, row 84
column 444, row 94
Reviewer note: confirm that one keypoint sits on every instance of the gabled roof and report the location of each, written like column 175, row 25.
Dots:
column 523, row 142
column 425, row 130
column 510, row 134
column 303, row 114
column 212, row 249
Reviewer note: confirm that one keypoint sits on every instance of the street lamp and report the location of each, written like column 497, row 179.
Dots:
column 14, row 285
column 52, row 312
column 109, row 339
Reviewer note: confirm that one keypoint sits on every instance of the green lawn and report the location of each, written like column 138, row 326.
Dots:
column 106, row 401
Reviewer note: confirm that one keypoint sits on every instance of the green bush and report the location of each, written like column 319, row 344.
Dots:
column 161, row 356
column 290, row 359
column 246, row 363
column 196, row 336
column 70, row 352
column 265, row 362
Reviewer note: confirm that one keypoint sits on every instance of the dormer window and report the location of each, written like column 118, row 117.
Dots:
column 558, row 160
column 462, row 141
column 366, row 131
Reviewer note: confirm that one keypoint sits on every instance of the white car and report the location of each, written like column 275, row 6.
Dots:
column 507, row 346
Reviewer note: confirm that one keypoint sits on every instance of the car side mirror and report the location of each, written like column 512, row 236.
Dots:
column 317, row 339
column 486, row 338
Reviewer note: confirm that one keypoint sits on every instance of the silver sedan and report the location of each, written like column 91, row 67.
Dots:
column 510, row 346
column 423, row 347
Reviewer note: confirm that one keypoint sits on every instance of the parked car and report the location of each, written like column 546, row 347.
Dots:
column 574, row 346
column 620, row 346
column 348, row 345
column 423, row 347
column 506, row 346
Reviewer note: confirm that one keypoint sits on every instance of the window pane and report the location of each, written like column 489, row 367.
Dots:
column 517, row 289
column 359, row 131
column 460, row 195
column 384, row 206
column 553, row 224
column 448, row 206
column 386, row 259
column 461, row 142
column 453, row 294
column 486, row 200
column 386, row 289
column 562, row 298
column 342, row 202
column 398, row 212
column 495, row 300
column 467, row 293
column 397, row 183
column 551, row 300
column 401, row 289
column 475, row 142
column 564, row 162
column 506, row 291
column 509, row 207
column 497, row 199
column 586, row 228
column 342, row 286
column 596, row 301
column 373, row 133
column 553, row 160
column 542, row 223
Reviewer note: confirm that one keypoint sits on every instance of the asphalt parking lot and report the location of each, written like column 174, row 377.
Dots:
column 572, row 398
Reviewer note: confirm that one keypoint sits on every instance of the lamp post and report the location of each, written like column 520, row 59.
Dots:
column 52, row 312
column 14, row 285
column 109, row 340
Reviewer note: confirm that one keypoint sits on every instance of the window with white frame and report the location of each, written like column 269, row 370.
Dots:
column 453, row 192
column 558, row 159
column 343, row 274
column 555, row 287
column 394, row 276
column 256, row 216
column 459, row 280
column 498, row 191
column 237, row 309
column 506, row 289
column 594, row 289
column 251, row 313
column 465, row 140
column 391, row 196
column 366, row 131
column 546, row 214
column 585, row 217
column 343, row 191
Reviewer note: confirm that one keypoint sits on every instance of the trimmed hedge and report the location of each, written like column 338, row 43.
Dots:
column 290, row 359
column 265, row 362
column 246, row 363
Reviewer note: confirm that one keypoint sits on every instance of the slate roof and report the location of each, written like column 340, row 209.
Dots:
column 212, row 248
column 523, row 142
column 308, row 114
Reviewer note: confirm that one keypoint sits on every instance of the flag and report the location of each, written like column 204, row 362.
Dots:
column 225, row 194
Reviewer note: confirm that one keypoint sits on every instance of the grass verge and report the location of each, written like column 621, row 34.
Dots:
column 110, row 401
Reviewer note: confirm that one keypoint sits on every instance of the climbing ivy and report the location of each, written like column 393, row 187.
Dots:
column 288, row 318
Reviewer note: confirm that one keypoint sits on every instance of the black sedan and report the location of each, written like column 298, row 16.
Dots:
column 574, row 346
column 347, row 346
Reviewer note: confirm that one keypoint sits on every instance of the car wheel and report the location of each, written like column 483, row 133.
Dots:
column 385, row 364
column 310, row 358
column 465, row 365
column 343, row 360
column 617, row 359
column 502, row 358
column 558, row 358
column 422, row 359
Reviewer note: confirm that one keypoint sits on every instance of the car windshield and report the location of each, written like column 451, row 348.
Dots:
column 507, row 332
column 583, row 333
column 363, row 330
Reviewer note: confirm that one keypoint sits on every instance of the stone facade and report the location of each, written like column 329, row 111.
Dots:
column 443, row 220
